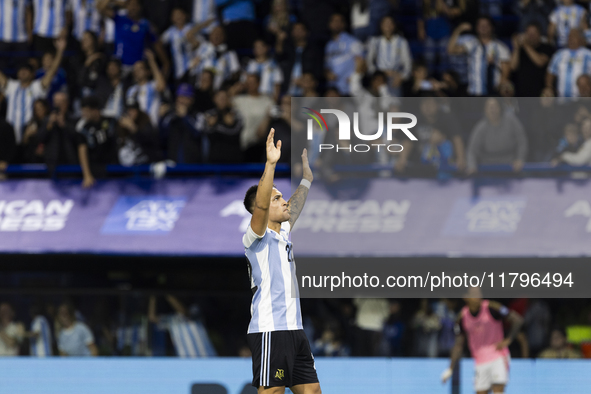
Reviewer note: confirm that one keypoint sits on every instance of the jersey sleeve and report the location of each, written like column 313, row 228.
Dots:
column 10, row 87
column 504, row 54
column 553, row 66
column 165, row 37
column 38, row 90
column 468, row 42
column 250, row 238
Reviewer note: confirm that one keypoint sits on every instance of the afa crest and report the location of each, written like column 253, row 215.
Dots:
column 279, row 374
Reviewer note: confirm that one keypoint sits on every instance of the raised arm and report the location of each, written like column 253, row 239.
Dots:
column 156, row 73
column 60, row 45
column 176, row 305
column 453, row 48
column 260, row 213
column 298, row 199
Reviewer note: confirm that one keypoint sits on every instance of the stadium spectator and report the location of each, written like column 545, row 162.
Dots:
column 433, row 30
column 279, row 22
column 297, row 57
column 214, row 54
column 92, row 68
column 394, row 331
column 11, row 332
column 567, row 65
column 309, row 85
column 426, row 326
column 149, row 86
column 22, row 92
column 537, row 319
column 534, row 12
column 488, row 57
column 529, row 60
column 132, row 33
column 390, row 54
column 111, row 92
column 239, row 17
column 559, row 347
column 74, row 338
column 583, row 155
column 95, row 138
column 445, row 309
column 224, row 127
column 252, row 108
column 204, row 92
column 340, row 53
column 32, row 149
column 584, row 85
column 58, row 82
column 267, row 69
column 49, row 23
column 446, row 128
column 187, row 332
column 180, row 47
column 564, row 18
column 366, row 16
column 329, row 345
column 570, row 142
column 181, row 129
column 8, row 147
column 57, row 133
column 204, row 13
column 137, row 139
column 370, row 318
column 499, row 138
column 15, row 34
column 40, row 339
column 85, row 17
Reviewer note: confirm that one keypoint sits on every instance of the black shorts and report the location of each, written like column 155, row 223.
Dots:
column 281, row 358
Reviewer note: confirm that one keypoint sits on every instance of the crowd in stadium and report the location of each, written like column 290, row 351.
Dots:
column 96, row 82
column 171, row 326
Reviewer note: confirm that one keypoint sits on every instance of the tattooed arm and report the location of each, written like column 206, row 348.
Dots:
column 260, row 214
column 297, row 201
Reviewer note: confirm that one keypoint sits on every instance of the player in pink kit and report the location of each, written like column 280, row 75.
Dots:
column 481, row 322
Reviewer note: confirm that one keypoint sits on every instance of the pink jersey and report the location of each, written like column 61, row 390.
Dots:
column 483, row 332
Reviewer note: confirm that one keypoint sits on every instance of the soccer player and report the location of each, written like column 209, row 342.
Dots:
column 481, row 321
column 281, row 354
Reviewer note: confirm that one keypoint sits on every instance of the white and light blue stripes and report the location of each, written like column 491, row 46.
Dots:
column 478, row 55
column 50, row 17
column 202, row 11
column 568, row 65
column 20, row 104
column 12, row 20
column 85, row 17
column 389, row 54
column 180, row 48
column 148, row 99
column 41, row 345
column 269, row 73
column 275, row 305
column 190, row 338
column 565, row 18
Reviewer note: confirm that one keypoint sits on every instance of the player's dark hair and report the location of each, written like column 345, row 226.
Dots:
column 249, row 197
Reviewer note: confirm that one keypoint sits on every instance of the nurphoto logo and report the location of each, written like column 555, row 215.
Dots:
column 344, row 131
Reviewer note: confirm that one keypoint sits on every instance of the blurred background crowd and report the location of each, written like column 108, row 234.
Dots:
column 97, row 82
column 188, row 326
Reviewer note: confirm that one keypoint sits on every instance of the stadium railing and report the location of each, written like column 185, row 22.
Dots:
column 534, row 169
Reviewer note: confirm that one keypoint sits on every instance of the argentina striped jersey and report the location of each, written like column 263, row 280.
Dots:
column 180, row 48
column 565, row 18
column 20, row 104
column 567, row 65
column 275, row 304
column 269, row 73
column 12, row 20
column 85, row 17
column 50, row 17
column 148, row 99
column 41, row 345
